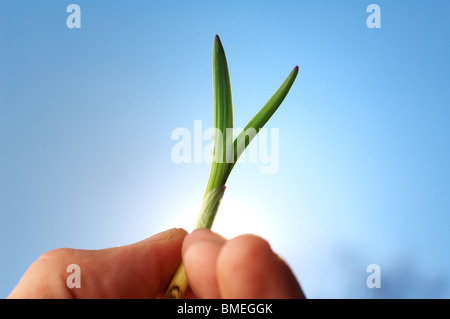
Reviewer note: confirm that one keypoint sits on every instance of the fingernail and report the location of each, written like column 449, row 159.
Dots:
column 167, row 234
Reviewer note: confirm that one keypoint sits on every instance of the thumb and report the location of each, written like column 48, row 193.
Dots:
column 140, row 270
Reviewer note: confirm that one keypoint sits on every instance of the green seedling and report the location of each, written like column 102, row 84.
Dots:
column 225, row 151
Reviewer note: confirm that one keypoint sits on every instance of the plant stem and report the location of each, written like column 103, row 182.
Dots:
column 208, row 210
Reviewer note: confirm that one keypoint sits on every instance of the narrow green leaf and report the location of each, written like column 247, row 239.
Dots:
column 222, row 119
column 261, row 118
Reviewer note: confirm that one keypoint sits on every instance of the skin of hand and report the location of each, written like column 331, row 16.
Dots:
column 241, row 268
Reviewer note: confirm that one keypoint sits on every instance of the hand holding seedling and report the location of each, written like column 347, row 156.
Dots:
column 216, row 268
column 235, row 268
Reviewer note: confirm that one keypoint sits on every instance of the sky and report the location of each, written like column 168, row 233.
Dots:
column 362, row 178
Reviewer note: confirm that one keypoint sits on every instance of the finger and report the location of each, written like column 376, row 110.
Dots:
column 200, row 251
column 140, row 270
column 248, row 268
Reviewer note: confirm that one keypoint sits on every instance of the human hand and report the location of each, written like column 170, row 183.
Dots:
column 243, row 267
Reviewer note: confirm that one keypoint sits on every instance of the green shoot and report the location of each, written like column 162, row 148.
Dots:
column 225, row 151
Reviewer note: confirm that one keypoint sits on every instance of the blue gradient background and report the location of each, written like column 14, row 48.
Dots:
column 86, row 117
